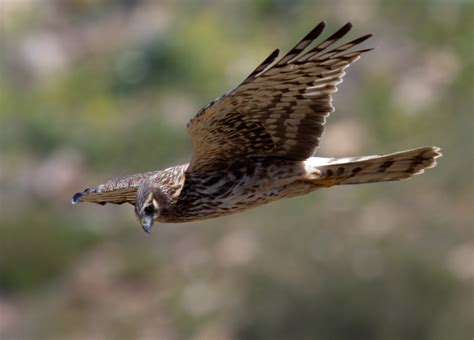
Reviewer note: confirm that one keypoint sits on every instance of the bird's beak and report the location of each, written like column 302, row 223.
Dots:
column 147, row 223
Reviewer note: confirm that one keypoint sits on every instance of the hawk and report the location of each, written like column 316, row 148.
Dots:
column 256, row 143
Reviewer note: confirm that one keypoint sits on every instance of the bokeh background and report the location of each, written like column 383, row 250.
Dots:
column 94, row 89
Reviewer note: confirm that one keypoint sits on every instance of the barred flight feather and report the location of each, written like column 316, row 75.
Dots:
column 298, row 83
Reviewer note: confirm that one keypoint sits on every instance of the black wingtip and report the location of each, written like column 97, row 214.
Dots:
column 274, row 54
column 77, row 196
column 361, row 39
column 341, row 32
column 316, row 31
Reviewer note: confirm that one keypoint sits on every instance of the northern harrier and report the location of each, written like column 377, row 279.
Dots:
column 255, row 144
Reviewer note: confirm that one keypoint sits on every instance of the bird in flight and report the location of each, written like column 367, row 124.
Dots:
column 256, row 143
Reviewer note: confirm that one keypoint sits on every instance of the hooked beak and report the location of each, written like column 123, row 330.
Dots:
column 147, row 223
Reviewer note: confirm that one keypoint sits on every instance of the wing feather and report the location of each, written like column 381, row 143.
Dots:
column 279, row 110
column 305, row 42
column 116, row 191
column 260, row 68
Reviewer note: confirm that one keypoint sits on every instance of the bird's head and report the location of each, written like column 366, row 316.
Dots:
column 147, row 206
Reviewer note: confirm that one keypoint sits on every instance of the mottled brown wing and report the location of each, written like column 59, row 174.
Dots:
column 117, row 191
column 278, row 110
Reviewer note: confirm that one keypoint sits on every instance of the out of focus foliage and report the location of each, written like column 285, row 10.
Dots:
column 91, row 90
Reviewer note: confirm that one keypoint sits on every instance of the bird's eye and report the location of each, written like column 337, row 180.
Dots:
column 149, row 209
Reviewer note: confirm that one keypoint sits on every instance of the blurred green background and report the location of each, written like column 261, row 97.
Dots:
column 95, row 89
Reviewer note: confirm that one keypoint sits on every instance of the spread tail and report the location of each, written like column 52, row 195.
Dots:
column 368, row 169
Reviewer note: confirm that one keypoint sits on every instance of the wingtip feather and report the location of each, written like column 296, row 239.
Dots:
column 316, row 31
column 76, row 198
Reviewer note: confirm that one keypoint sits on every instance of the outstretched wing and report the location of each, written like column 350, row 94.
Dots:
column 278, row 110
column 117, row 191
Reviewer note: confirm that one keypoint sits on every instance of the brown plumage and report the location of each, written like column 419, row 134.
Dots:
column 255, row 144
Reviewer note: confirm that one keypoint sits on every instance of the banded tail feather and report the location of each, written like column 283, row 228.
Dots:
column 368, row 169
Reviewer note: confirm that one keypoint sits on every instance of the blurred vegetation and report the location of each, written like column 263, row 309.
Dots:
column 91, row 90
